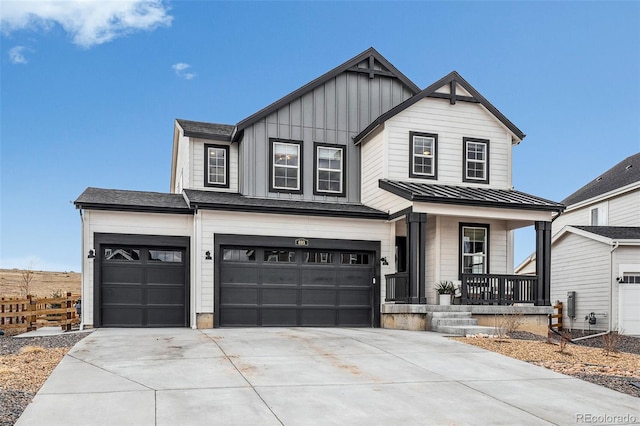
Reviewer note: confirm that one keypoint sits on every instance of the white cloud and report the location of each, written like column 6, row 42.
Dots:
column 88, row 22
column 16, row 55
column 181, row 70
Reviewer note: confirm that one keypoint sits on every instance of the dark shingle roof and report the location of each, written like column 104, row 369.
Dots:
column 430, row 91
column 199, row 129
column 622, row 174
column 117, row 199
column 237, row 202
column 462, row 195
column 614, row 232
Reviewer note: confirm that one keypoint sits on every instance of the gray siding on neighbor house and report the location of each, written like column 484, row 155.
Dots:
column 332, row 113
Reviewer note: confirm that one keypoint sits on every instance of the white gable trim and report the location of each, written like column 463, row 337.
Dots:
column 594, row 237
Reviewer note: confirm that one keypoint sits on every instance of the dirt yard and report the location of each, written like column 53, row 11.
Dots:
column 43, row 283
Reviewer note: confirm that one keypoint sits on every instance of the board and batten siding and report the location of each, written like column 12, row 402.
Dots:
column 198, row 160
column 126, row 223
column 220, row 222
column 332, row 113
column 582, row 265
column 451, row 123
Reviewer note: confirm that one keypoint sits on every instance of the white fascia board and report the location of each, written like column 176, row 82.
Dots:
column 594, row 237
column 603, row 197
column 482, row 212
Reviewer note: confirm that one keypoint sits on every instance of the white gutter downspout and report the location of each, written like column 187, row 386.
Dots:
column 615, row 245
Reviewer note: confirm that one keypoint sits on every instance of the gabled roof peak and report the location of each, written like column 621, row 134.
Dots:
column 453, row 79
column 377, row 65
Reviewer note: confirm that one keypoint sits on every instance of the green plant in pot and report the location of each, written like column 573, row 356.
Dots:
column 445, row 289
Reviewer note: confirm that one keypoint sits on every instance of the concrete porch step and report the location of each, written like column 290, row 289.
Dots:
column 439, row 322
column 463, row 330
column 451, row 315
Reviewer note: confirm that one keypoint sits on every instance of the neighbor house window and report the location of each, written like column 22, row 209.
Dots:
column 286, row 173
column 476, row 160
column 474, row 249
column 598, row 216
column 422, row 151
column 329, row 170
column 216, row 171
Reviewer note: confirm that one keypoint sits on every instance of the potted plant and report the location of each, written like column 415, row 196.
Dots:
column 445, row 290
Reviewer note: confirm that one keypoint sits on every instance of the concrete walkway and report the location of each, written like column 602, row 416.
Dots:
column 307, row 376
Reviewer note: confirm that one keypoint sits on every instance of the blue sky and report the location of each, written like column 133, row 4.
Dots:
column 89, row 90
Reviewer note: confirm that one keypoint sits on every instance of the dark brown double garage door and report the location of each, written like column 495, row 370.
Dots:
column 262, row 286
column 143, row 281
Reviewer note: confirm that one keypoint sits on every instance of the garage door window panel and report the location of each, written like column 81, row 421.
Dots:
column 239, row 255
column 355, row 259
column 319, row 257
column 121, row 254
column 279, row 256
column 167, row 256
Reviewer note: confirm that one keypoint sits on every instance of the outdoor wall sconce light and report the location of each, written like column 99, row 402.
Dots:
column 384, row 261
column 92, row 254
column 207, row 255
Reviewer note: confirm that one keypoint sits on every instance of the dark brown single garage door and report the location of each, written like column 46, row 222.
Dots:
column 142, row 286
column 262, row 286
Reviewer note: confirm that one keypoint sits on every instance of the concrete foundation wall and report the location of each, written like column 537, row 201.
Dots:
column 537, row 324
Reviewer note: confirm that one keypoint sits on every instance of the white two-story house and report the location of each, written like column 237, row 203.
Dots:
column 595, row 267
column 355, row 191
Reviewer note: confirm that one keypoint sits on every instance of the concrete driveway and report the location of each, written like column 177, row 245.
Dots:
column 306, row 376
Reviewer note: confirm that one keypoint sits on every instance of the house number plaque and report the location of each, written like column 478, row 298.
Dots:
column 302, row 242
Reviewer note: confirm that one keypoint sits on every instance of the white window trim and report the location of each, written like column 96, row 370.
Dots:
column 319, row 169
column 274, row 165
column 469, row 161
column 432, row 156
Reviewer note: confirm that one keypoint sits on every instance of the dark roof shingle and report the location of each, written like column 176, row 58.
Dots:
column 117, row 199
column 614, row 232
column 462, row 195
column 199, row 129
column 622, row 174
column 237, row 202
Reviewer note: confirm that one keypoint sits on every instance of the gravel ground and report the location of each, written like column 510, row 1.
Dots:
column 584, row 359
column 25, row 364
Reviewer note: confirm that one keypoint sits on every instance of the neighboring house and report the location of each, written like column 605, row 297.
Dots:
column 356, row 190
column 596, row 252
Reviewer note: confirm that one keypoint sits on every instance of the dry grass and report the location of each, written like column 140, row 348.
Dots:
column 28, row 370
column 42, row 284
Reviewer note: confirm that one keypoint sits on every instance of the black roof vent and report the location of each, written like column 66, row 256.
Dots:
column 628, row 167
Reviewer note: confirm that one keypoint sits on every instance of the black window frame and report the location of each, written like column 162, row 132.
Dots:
column 434, row 165
column 206, row 166
column 342, row 148
column 300, row 144
column 465, row 178
column 487, row 257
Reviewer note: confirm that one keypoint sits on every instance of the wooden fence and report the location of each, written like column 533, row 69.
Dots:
column 33, row 312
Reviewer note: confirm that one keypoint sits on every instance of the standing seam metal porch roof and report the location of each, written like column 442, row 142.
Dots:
column 474, row 196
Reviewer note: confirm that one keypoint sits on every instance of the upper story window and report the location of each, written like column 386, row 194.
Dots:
column 475, row 160
column 286, row 170
column 474, row 249
column 598, row 216
column 329, row 170
column 422, row 151
column 216, row 171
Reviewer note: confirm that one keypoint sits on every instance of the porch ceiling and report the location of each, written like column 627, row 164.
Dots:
column 469, row 196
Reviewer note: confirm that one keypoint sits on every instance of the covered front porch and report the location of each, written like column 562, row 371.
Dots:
column 466, row 236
